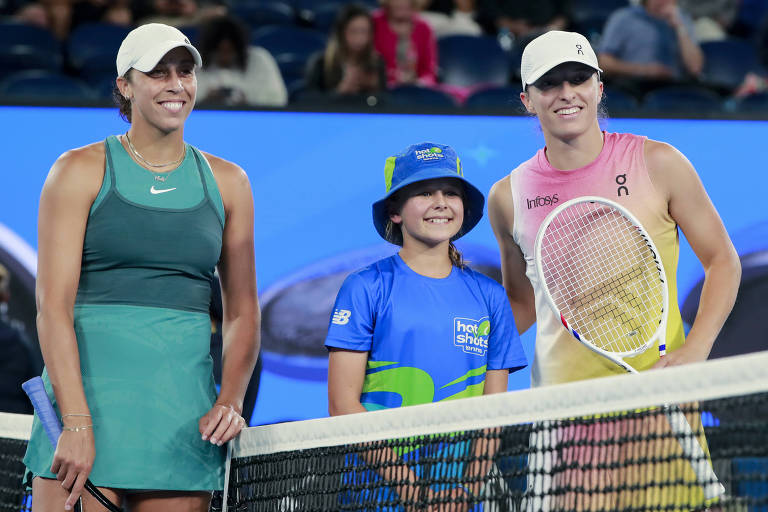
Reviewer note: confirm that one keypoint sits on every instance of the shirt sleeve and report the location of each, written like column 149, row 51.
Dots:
column 504, row 348
column 353, row 316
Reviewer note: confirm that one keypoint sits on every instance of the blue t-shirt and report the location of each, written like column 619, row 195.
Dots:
column 429, row 339
column 633, row 35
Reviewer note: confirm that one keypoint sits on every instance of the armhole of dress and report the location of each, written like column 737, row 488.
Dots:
column 513, row 190
column 657, row 197
column 210, row 186
column 107, row 180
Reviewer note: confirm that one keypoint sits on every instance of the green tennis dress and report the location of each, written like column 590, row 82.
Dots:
column 143, row 329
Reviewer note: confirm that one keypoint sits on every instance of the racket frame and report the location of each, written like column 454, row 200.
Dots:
column 678, row 423
column 660, row 332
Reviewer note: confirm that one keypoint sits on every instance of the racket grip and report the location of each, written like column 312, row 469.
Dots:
column 693, row 452
column 35, row 390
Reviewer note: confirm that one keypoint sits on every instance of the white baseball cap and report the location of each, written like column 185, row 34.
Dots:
column 144, row 46
column 552, row 49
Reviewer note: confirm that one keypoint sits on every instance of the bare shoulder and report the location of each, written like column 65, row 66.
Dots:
column 234, row 186
column 667, row 166
column 659, row 153
column 226, row 173
column 79, row 170
column 500, row 199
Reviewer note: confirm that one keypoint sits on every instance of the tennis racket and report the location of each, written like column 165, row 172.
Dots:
column 35, row 390
column 604, row 279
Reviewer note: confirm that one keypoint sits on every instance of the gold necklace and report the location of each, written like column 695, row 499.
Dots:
column 144, row 160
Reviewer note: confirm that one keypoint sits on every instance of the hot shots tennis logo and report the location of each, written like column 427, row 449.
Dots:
column 428, row 155
column 471, row 335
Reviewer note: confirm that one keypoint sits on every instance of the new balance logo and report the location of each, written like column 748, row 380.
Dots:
column 341, row 316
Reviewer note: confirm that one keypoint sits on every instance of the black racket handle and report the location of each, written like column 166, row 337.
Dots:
column 96, row 493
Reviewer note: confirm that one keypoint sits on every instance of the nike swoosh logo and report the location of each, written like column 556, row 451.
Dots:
column 154, row 190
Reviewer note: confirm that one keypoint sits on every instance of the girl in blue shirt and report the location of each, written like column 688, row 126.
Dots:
column 420, row 326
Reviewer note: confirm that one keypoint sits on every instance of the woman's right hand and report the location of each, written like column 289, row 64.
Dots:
column 73, row 460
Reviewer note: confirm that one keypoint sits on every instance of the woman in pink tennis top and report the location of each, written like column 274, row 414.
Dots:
column 562, row 87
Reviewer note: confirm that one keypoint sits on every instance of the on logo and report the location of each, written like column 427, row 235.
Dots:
column 341, row 316
column 621, row 179
column 578, row 50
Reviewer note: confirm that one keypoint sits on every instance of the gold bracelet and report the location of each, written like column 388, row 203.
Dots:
column 77, row 429
column 74, row 414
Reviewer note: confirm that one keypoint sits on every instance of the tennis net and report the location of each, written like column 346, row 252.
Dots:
column 604, row 444
column 14, row 432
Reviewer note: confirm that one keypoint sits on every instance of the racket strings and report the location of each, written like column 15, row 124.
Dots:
column 603, row 277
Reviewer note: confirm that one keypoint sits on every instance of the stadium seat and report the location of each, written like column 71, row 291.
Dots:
column 92, row 47
column 415, row 96
column 755, row 103
column 472, row 60
column 682, row 99
column 26, row 47
column 192, row 32
column 36, row 84
column 301, row 5
column 496, row 98
column 617, row 100
column 324, row 16
column 290, row 46
column 259, row 14
column 588, row 17
column 727, row 62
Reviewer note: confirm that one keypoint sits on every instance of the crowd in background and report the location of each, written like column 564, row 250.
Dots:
column 409, row 52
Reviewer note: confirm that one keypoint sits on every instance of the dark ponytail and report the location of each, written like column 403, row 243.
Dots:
column 122, row 103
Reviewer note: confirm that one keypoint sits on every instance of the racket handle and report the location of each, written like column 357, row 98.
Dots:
column 693, row 452
column 35, row 390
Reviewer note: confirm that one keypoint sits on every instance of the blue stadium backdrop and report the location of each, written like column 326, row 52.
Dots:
column 314, row 176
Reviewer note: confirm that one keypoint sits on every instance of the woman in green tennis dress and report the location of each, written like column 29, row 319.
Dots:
column 130, row 232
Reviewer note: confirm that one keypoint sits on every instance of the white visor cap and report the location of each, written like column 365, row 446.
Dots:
column 552, row 49
column 144, row 46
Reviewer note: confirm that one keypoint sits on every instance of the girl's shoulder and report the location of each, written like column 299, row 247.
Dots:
column 487, row 285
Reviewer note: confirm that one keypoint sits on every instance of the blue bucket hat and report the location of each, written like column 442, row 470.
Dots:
column 421, row 162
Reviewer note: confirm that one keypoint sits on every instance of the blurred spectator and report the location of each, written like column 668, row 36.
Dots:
column 61, row 16
column 754, row 82
column 652, row 42
column 458, row 20
column 712, row 18
column 33, row 14
column 235, row 73
column 523, row 18
column 350, row 64
column 405, row 42
column 17, row 363
column 178, row 13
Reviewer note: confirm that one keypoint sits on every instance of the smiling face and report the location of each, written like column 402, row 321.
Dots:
column 357, row 34
column 432, row 214
column 164, row 96
column 565, row 99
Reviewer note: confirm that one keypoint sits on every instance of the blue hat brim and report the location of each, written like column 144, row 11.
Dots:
column 474, row 202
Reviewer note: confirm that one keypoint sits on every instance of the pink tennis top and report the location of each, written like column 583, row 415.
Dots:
column 618, row 173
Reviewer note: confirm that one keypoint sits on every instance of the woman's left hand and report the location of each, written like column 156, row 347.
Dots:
column 222, row 423
column 690, row 352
